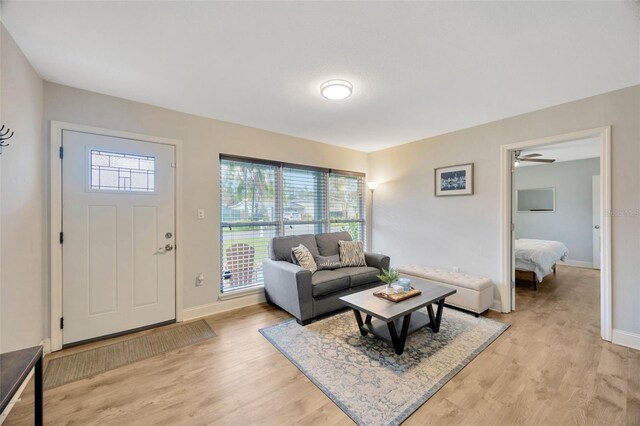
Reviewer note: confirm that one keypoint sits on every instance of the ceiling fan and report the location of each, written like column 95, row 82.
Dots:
column 531, row 158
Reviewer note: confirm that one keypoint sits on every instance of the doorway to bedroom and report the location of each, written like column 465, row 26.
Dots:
column 556, row 251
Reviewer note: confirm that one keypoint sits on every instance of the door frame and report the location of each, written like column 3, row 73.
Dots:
column 506, row 292
column 55, row 184
column 593, row 263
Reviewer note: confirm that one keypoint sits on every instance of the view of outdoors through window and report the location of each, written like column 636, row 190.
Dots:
column 262, row 201
column 346, row 204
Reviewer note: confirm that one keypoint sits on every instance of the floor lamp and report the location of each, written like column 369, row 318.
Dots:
column 372, row 187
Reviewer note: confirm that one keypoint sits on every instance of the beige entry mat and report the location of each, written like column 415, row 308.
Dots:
column 88, row 363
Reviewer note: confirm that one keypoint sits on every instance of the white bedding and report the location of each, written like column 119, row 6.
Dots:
column 539, row 256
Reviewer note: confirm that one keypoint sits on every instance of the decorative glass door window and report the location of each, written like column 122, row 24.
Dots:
column 112, row 171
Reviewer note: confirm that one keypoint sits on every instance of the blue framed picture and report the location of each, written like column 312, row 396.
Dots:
column 454, row 180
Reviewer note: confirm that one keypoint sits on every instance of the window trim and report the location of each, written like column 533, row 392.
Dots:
column 241, row 292
column 281, row 164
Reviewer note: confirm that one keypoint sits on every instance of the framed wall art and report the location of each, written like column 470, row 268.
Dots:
column 454, row 180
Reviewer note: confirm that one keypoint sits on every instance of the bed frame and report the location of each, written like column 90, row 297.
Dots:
column 530, row 276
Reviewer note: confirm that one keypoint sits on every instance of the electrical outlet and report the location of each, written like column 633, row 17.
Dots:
column 456, row 269
column 200, row 214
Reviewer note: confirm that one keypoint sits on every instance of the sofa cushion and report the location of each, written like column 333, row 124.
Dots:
column 303, row 257
column 352, row 253
column 328, row 262
column 328, row 243
column 280, row 247
column 360, row 275
column 325, row 282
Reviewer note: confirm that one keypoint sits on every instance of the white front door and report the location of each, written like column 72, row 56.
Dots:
column 118, row 223
column 595, row 229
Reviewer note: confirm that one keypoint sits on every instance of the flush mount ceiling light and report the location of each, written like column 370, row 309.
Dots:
column 336, row 90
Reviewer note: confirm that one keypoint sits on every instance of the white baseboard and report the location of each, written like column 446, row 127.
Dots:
column 577, row 263
column 46, row 346
column 625, row 338
column 497, row 306
column 223, row 306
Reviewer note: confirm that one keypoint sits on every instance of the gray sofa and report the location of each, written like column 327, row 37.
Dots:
column 305, row 295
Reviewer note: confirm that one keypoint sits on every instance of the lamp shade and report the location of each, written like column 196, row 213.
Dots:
column 372, row 185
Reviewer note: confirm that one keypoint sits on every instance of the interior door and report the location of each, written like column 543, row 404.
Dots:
column 118, row 223
column 595, row 230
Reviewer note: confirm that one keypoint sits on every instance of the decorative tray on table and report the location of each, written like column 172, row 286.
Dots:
column 397, row 297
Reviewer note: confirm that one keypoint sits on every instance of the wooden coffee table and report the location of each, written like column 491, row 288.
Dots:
column 384, row 317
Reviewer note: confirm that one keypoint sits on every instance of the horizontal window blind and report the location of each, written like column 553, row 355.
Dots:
column 304, row 199
column 249, row 219
column 346, row 204
column 262, row 200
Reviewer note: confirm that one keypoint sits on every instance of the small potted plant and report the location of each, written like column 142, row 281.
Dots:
column 389, row 277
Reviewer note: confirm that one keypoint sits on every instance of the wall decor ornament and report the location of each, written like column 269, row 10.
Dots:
column 454, row 180
column 4, row 137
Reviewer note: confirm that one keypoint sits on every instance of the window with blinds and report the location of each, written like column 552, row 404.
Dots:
column 304, row 198
column 248, row 219
column 260, row 200
column 346, row 204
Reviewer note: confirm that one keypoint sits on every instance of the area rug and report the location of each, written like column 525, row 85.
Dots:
column 365, row 377
column 85, row 364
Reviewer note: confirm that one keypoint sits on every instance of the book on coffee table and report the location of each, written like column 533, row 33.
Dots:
column 397, row 297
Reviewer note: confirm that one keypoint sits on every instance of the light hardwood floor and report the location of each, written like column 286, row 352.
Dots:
column 550, row 367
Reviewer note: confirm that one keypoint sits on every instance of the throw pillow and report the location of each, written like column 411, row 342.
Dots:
column 303, row 257
column 328, row 262
column 352, row 253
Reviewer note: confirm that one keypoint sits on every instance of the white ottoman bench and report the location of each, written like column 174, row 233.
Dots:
column 474, row 293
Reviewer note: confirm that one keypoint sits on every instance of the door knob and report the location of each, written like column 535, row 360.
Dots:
column 597, row 227
column 168, row 247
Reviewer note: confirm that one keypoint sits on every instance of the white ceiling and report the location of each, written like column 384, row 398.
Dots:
column 419, row 69
column 566, row 151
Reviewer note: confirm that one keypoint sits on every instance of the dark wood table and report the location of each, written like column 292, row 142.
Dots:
column 384, row 317
column 14, row 370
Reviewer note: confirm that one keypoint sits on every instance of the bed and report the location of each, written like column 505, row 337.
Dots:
column 535, row 259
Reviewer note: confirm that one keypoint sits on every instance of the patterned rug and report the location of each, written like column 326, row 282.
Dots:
column 88, row 363
column 365, row 377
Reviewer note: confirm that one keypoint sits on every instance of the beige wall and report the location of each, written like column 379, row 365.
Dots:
column 203, row 140
column 465, row 231
column 23, row 268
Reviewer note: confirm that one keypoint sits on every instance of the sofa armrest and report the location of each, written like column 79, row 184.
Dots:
column 377, row 260
column 288, row 286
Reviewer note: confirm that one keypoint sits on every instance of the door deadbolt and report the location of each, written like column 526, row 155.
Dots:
column 168, row 235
